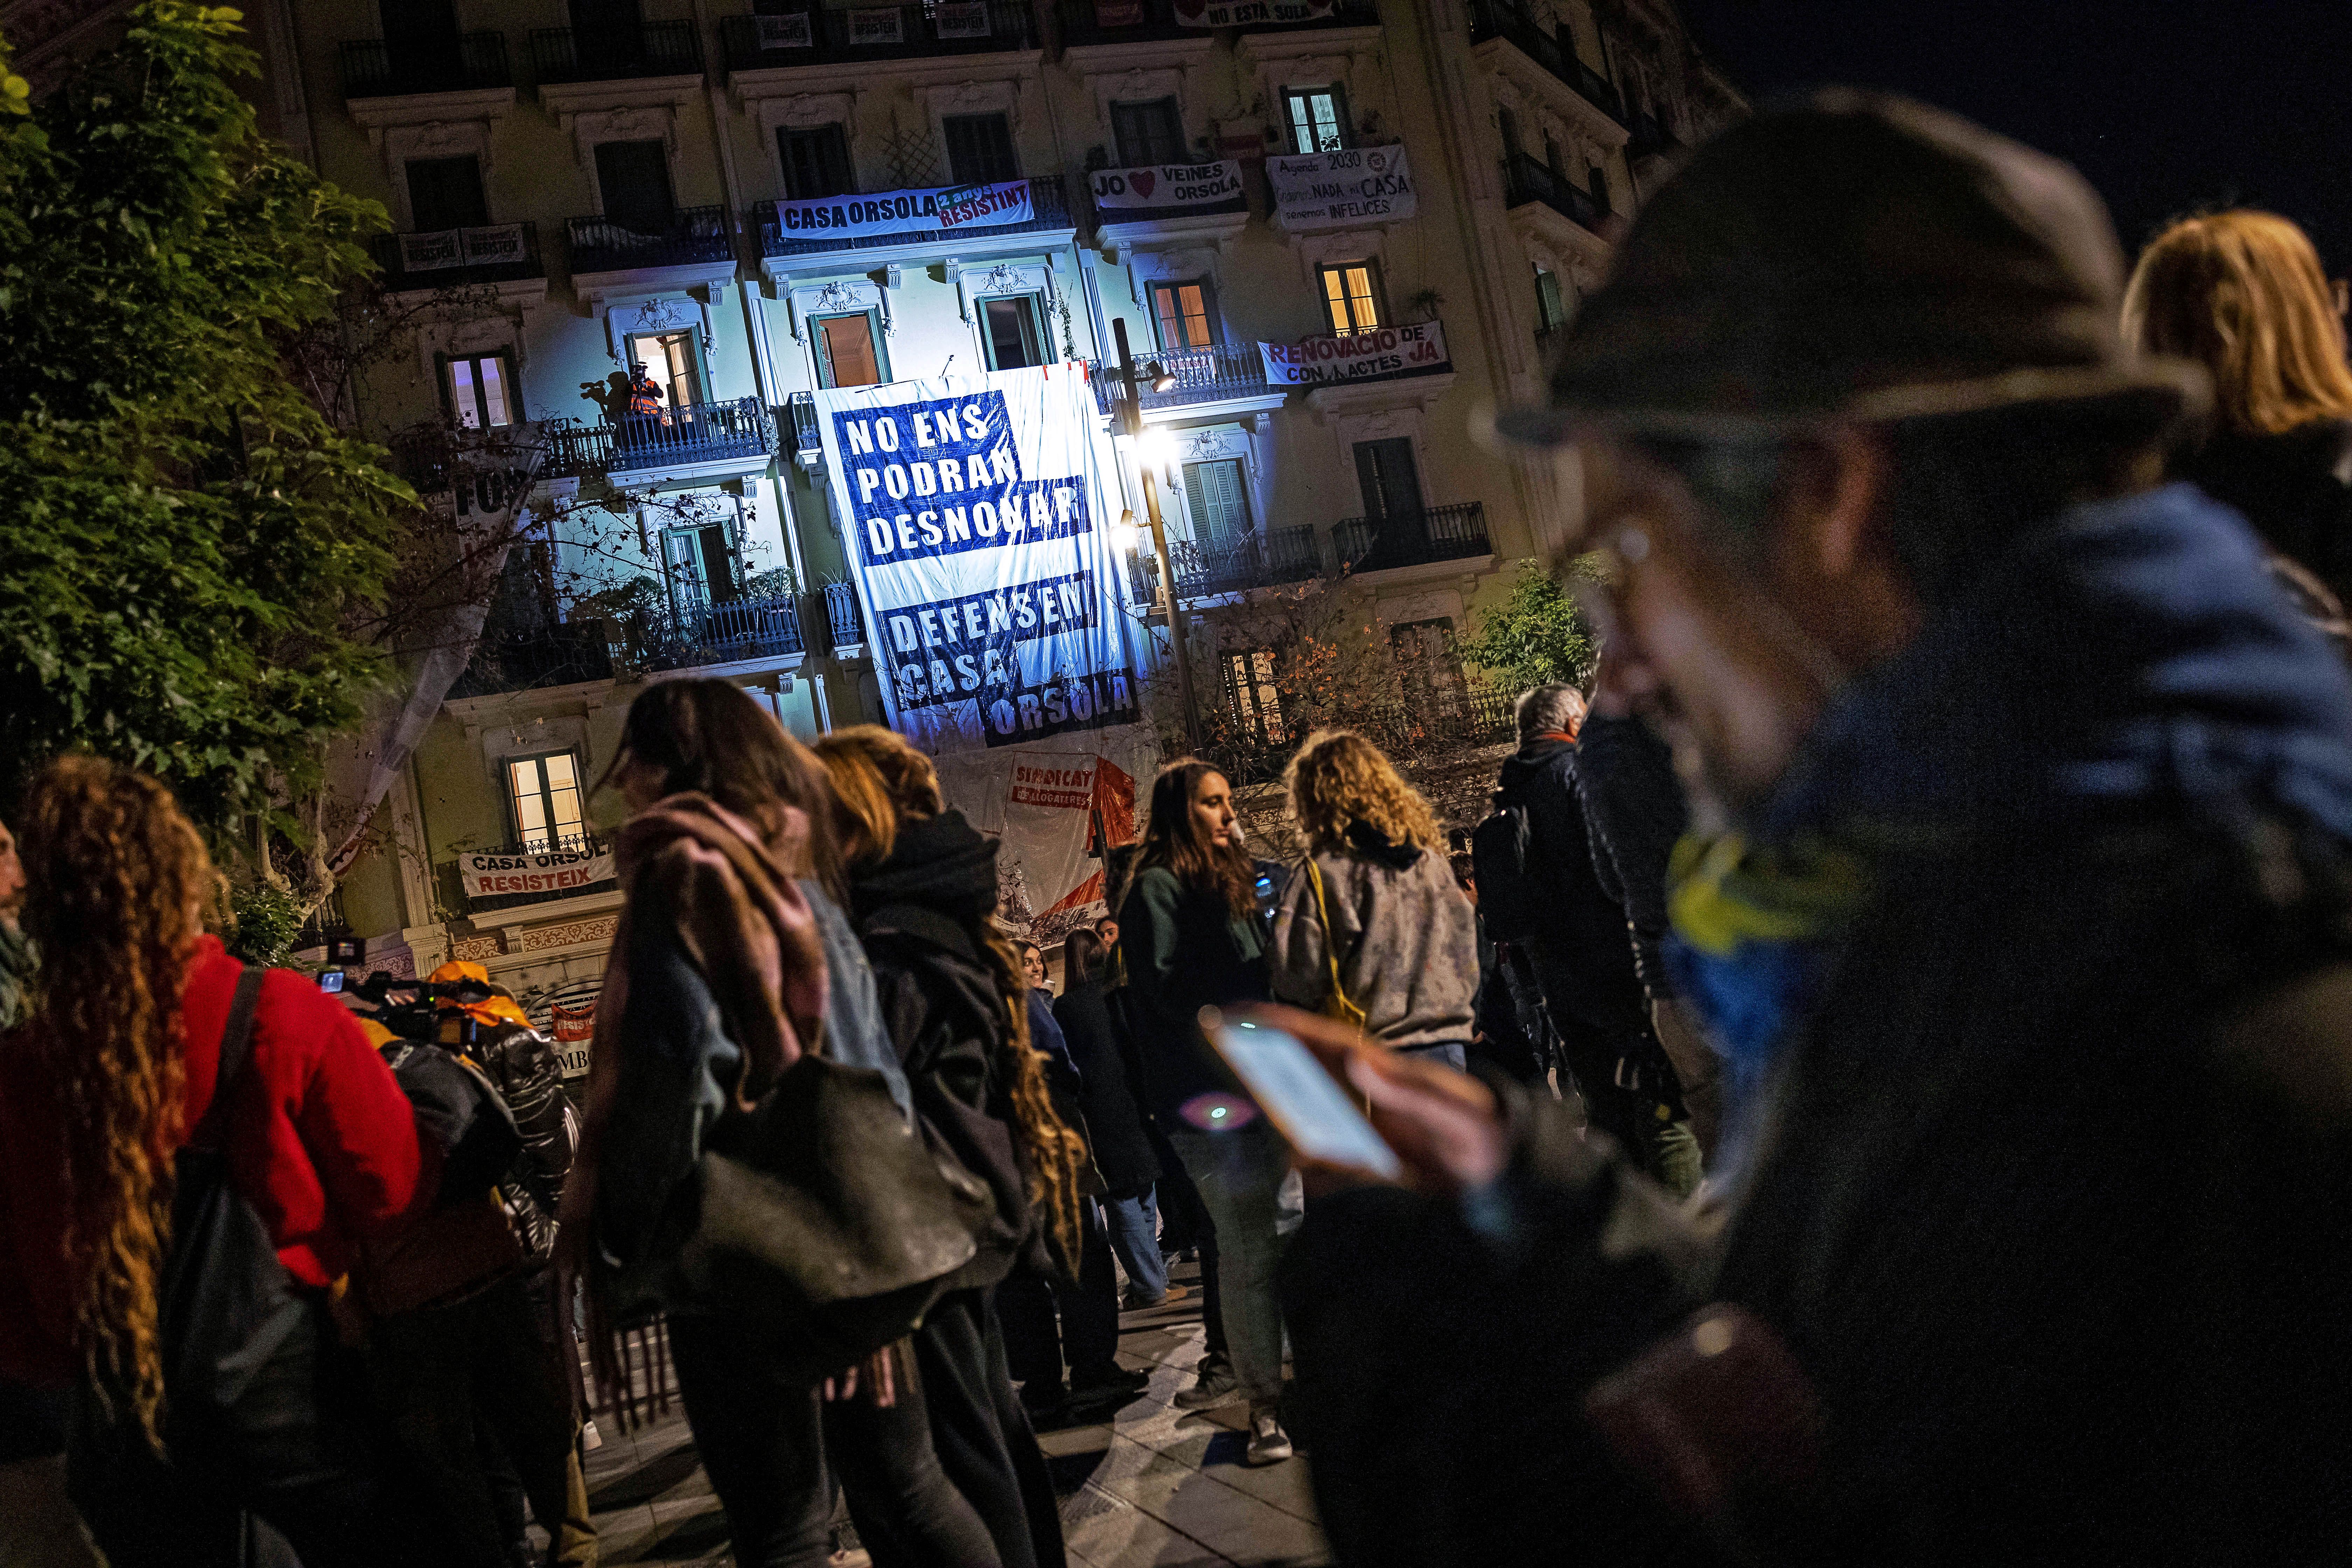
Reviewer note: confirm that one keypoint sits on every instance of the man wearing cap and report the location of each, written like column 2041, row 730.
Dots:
column 2016, row 901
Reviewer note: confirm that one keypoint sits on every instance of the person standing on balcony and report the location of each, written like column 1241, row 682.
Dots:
column 646, row 400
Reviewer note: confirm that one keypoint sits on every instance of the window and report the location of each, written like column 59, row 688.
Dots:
column 1351, row 296
column 980, row 147
column 1186, row 314
column 846, row 353
column 420, row 37
column 446, row 192
column 634, row 177
column 816, row 162
column 1250, row 694
column 545, row 790
column 1009, row 328
column 675, row 362
column 1509, row 124
column 1551, row 304
column 1428, row 669
column 1149, row 132
column 1219, row 502
column 479, row 392
column 702, row 564
column 1600, row 187
column 1389, row 478
column 1318, row 118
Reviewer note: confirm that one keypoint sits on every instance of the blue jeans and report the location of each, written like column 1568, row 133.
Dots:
column 1135, row 1236
column 1239, row 1176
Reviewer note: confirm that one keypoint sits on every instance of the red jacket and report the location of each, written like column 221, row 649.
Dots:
column 322, row 1142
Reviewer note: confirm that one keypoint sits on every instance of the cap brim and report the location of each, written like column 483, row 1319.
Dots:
column 2177, row 386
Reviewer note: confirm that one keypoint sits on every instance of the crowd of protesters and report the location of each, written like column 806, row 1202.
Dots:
column 1875, row 1087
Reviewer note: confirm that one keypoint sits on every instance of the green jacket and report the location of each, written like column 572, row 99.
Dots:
column 1184, row 950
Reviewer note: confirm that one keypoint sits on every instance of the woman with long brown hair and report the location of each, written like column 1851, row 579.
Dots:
column 1193, row 938
column 923, row 889
column 733, row 960
column 1373, row 915
column 2243, row 293
column 116, row 1068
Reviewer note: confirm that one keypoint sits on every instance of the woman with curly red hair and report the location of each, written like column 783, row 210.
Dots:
column 115, row 1068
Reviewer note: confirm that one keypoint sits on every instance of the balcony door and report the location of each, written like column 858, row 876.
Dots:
column 1149, row 132
column 980, row 147
column 846, row 351
column 1012, row 331
column 1318, row 118
column 634, row 178
column 703, row 570
column 545, row 795
column 446, row 192
column 1390, row 478
column 1218, row 503
column 675, row 362
column 816, row 162
column 1187, row 315
column 607, row 33
column 420, row 39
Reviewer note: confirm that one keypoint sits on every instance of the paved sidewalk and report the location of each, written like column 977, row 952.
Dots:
column 1150, row 1485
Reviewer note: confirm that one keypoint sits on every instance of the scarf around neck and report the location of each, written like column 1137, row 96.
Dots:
column 2132, row 655
column 688, row 863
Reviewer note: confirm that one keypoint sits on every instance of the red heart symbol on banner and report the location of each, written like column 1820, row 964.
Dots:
column 1141, row 181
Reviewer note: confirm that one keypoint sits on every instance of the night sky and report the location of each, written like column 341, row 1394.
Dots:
column 2166, row 107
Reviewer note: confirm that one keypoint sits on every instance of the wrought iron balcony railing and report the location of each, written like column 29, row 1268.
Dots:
column 1556, row 52
column 692, row 433
column 1102, row 21
column 525, row 659
column 843, row 620
column 616, row 54
column 1052, row 212
column 822, row 36
column 692, row 234
column 1526, row 180
column 1651, row 137
column 376, row 67
column 1203, row 375
column 807, row 445
column 459, row 258
column 1280, row 555
column 699, row 633
column 1413, row 538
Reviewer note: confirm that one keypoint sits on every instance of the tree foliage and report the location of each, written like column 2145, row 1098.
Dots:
column 186, row 538
column 1536, row 636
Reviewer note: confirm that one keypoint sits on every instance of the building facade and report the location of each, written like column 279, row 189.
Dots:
column 745, row 198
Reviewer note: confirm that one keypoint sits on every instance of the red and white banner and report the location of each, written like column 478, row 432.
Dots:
column 1054, row 808
column 1360, row 356
column 566, row 1014
column 557, row 871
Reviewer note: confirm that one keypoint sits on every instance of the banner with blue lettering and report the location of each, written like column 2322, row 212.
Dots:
column 976, row 511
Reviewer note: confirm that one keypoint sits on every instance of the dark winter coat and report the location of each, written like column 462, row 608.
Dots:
column 2052, row 1198
column 1588, row 934
column 1114, row 1122
column 2295, row 488
column 1185, row 949
column 916, row 913
column 1635, row 810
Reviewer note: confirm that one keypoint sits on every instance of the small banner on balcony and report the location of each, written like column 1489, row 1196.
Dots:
column 491, row 247
column 555, row 872
column 787, row 32
column 983, row 553
column 1118, row 13
column 1414, row 350
column 906, row 212
column 566, row 1015
column 1164, row 186
column 870, row 29
column 1332, row 190
column 1252, row 13
column 962, row 19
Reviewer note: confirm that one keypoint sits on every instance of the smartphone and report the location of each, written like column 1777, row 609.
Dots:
column 331, row 981
column 1306, row 1102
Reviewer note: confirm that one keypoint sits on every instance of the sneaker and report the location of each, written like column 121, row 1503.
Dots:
column 1138, row 1302
column 1216, row 1385
column 1268, row 1443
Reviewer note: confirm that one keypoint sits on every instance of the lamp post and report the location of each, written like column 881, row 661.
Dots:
column 1131, row 421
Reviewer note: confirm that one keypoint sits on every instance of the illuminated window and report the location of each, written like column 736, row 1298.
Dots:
column 1186, row 321
column 1351, row 297
column 1318, row 118
column 547, row 806
column 479, row 390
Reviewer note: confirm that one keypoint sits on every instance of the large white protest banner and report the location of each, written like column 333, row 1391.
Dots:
column 550, row 871
column 1166, row 185
column 1251, row 13
column 976, row 508
column 925, row 211
column 1417, row 349
column 1332, row 190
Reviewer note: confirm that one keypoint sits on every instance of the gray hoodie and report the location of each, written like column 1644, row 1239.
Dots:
column 1403, row 933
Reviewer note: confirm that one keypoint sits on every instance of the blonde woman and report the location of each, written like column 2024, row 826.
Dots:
column 2243, row 295
column 1372, row 920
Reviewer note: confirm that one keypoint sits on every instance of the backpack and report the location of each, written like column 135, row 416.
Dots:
column 1501, row 850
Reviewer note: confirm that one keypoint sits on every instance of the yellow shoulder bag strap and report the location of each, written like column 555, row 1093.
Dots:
column 1336, row 1004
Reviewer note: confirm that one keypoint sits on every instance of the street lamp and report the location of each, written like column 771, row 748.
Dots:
column 1153, row 450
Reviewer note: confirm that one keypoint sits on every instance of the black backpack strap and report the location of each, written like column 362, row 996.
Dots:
column 235, row 1051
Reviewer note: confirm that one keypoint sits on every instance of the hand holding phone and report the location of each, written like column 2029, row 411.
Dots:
column 1442, row 1127
column 1304, row 1102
